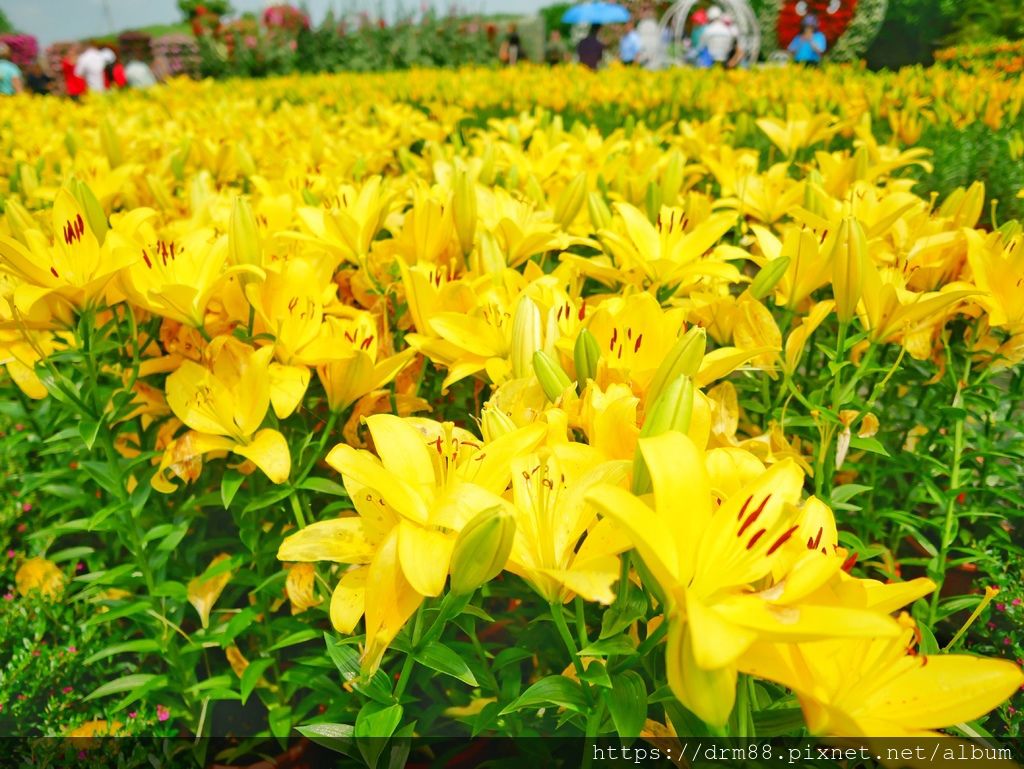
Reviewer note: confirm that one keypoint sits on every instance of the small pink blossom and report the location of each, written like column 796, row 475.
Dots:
column 162, row 713
column 26, row 507
column 73, row 649
column 1007, row 642
column 8, row 596
column 68, row 689
column 1015, row 602
column 11, row 553
column 132, row 714
column 1000, row 607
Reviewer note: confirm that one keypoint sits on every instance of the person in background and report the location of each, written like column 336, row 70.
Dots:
column 74, row 86
column 37, row 78
column 808, row 47
column 652, row 41
column 719, row 40
column 113, row 74
column 10, row 74
column 556, row 51
column 692, row 44
column 91, row 66
column 590, row 50
column 138, row 74
column 629, row 46
column 511, row 47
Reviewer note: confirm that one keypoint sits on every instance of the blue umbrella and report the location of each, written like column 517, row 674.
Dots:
column 596, row 13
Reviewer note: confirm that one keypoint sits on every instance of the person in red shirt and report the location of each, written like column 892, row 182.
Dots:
column 74, row 86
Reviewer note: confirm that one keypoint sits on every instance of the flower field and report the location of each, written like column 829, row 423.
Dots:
column 514, row 403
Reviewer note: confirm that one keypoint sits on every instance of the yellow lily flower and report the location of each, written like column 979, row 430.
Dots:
column 350, row 221
column 730, row 565
column 863, row 687
column 800, row 129
column 551, row 518
column 429, row 481
column 224, row 403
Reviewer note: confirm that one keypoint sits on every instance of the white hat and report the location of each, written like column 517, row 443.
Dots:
column 714, row 12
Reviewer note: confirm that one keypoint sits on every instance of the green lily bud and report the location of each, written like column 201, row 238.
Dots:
column 19, row 220
column 495, row 423
column 243, row 235
column 597, row 209
column 671, row 411
column 683, row 359
column 482, row 549
column 92, row 209
column 672, row 178
column 653, row 201
column 849, row 255
column 814, row 196
column 526, row 336
column 585, row 355
column 464, row 210
column 553, row 380
column 571, row 201
column 768, row 277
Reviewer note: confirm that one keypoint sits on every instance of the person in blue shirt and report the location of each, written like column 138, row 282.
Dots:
column 808, row 47
column 10, row 74
column 629, row 46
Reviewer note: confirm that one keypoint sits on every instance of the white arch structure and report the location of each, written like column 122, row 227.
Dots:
column 675, row 18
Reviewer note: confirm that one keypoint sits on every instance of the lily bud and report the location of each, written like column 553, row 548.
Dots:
column 159, row 191
column 672, row 178
column 571, row 201
column 861, row 163
column 71, row 142
column 464, row 210
column 683, row 359
column 94, row 213
column 585, row 355
column 849, row 262
column 670, row 412
column 652, row 200
column 487, row 170
column 553, row 380
column 244, row 160
column 768, row 277
column 534, row 191
column 243, row 235
column 482, row 549
column 512, row 178
column 111, row 143
column 597, row 209
column 19, row 220
column 495, row 423
column 526, row 336
column 814, row 197
column 28, row 180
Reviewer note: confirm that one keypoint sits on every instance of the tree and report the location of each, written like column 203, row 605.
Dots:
column 190, row 8
column 5, row 25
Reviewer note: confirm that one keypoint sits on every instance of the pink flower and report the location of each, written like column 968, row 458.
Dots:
column 991, row 625
column 26, row 507
column 73, row 649
column 162, row 713
column 1007, row 641
column 1015, row 602
column 132, row 714
column 68, row 689
column 8, row 596
column 1000, row 607
column 10, row 554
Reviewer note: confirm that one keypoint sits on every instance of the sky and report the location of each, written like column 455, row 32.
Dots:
column 52, row 20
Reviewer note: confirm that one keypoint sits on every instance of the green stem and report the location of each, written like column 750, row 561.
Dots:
column 403, row 677
column 954, row 484
column 581, row 623
column 300, row 518
column 566, row 636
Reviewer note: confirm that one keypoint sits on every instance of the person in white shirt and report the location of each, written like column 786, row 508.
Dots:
column 92, row 65
column 720, row 39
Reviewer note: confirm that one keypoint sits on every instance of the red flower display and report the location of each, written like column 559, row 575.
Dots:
column 833, row 17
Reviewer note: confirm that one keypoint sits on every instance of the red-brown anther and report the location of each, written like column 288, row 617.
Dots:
column 350, row 337
column 753, row 539
column 583, row 310
column 639, row 339
column 743, row 509
column 79, row 225
column 615, row 336
column 849, row 563
column 782, row 539
column 365, row 345
column 53, row 271
column 813, row 542
column 293, row 304
column 145, row 258
column 753, row 516
column 824, row 234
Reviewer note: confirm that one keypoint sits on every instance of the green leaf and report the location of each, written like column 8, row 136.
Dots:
column 89, row 430
column 251, row 676
column 508, row 656
column 596, row 674
column 623, row 613
column 778, row 721
column 553, row 690
column 377, row 721
column 122, row 684
column 280, row 721
column 336, row 737
column 871, row 445
column 439, row 657
column 627, row 702
column 138, row 646
column 609, row 647
column 324, row 486
column 848, row 491
column 229, row 486
column 299, row 636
